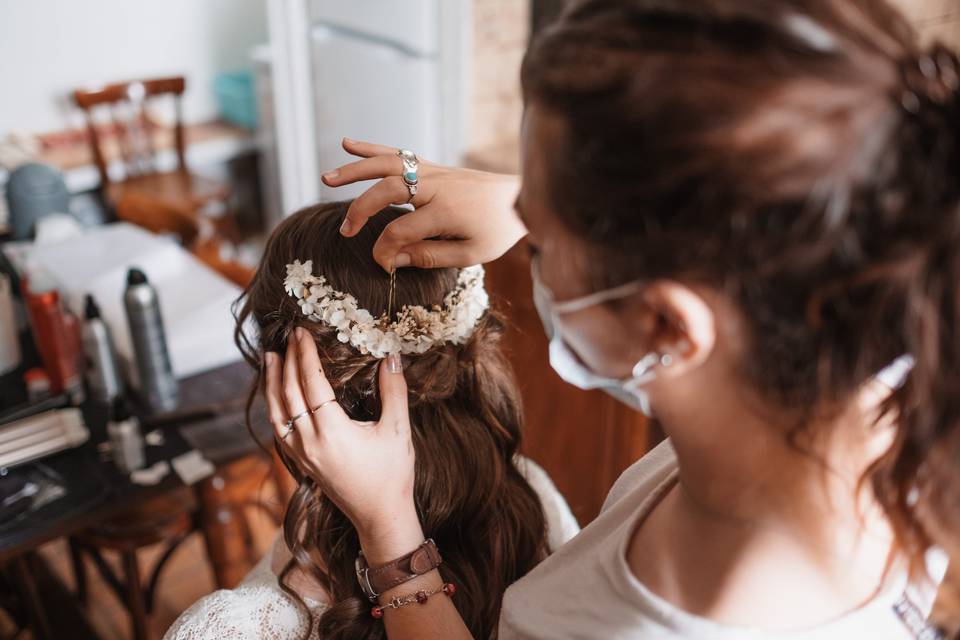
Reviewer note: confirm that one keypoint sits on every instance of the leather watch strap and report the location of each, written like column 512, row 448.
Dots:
column 376, row 580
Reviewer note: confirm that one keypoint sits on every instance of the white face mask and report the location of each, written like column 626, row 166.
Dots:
column 570, row 368
column 566, row 363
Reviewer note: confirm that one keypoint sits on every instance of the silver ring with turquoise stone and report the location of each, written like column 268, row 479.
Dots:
column 410, row 167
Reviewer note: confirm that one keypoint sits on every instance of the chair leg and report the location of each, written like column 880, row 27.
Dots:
column 138, row 613
column 249, row 543
column 161, row 563
column 79, row 571
column 107, row 573
column 225, row 538
column 23, row 578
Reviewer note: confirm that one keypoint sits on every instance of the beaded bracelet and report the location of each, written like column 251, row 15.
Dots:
column 419, row 597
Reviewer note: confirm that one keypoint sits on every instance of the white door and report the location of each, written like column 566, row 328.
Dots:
column 369, row 89
column 411, row 24
column 390, row 71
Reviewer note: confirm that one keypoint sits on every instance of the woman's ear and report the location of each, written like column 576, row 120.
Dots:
column 685, row 324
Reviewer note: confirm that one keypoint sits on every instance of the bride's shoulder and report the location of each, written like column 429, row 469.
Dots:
column 561, row 523
column 256, row 609
column 251, row 611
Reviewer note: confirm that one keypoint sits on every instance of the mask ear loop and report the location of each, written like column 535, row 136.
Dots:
column 643, row 370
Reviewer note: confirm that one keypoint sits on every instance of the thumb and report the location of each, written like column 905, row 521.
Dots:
column 393, row 393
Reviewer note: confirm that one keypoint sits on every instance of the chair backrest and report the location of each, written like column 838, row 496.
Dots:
column 126, row 103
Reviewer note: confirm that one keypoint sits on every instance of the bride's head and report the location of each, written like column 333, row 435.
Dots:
column 464, row 409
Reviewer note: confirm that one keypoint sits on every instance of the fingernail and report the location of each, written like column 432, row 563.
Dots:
column 331, row 175
column 348, row 140
column 299, row 332
column 401, row 260
column 394, row 363
column 345, row 227
column 269, row 358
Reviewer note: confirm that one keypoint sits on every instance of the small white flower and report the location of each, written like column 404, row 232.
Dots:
column 336, row 318
column 390, row 342
column 300, row 269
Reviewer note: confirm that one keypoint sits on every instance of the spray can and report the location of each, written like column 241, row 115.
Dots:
column 158, row 386
column 126, row 440
column 103, row 376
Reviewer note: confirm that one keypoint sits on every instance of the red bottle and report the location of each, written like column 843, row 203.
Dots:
column 56, row 334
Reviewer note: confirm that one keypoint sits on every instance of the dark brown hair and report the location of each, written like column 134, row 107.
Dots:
column 801, row 156
column 465, row 415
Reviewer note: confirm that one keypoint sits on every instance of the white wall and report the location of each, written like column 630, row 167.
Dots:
column 50, row 47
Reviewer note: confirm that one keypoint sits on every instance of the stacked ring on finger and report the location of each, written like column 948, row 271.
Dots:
column 288, row 428
column 410, row 167
column 290, row 423
column 322, row 405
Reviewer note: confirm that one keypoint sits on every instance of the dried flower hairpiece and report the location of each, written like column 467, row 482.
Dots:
column 416, row 328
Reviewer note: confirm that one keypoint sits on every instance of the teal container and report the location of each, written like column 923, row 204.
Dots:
column 236, row 98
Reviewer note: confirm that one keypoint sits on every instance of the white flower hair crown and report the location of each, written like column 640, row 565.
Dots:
column 416, row 328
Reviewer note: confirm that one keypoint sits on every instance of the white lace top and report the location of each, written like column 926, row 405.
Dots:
column 259, row 610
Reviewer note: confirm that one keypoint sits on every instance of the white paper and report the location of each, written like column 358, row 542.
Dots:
column 194, row 300
column 151, row 475
column 192, row 466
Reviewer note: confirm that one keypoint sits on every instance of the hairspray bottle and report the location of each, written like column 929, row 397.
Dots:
column 158, row 386
column 103, row 376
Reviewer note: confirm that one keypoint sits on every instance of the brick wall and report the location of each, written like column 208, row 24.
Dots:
column 501, row 29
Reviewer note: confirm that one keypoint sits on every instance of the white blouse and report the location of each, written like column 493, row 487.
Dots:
column 586, row 590
column 259, row 609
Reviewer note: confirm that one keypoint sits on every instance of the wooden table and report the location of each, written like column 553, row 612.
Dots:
column 97, row 490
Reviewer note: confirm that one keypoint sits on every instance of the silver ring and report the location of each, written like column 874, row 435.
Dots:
column 288, row 429
column 292, row 420
column 410, row 168
column 322, row 405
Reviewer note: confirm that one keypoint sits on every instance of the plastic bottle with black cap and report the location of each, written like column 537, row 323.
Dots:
column 156, row 381
column 102, row 373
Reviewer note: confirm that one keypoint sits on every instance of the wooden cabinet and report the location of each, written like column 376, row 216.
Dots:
column 584, row 439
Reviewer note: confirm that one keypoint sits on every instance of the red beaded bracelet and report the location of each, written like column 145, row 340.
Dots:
column 419, row 597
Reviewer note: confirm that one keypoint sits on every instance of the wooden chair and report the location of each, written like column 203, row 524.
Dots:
column 166, row 519
column 216, row 507
column 192, row 207
column 162, row 201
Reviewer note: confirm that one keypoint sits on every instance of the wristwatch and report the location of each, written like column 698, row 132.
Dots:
column 376, row 580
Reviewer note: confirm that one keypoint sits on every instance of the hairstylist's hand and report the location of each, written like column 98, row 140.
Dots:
column 462, row 217
column 366, row 468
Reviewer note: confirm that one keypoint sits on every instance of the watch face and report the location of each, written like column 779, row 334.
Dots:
column 364, row 579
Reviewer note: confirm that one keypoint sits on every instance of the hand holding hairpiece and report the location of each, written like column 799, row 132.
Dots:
column 415, row 329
